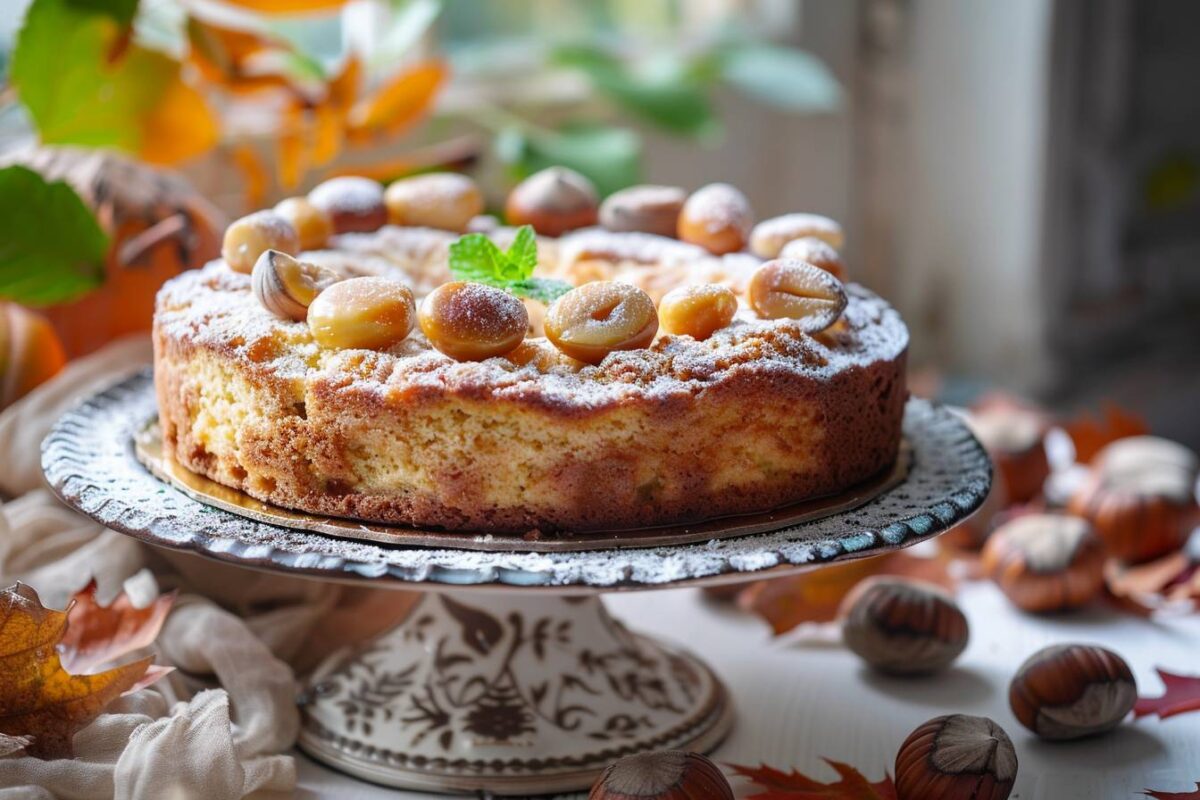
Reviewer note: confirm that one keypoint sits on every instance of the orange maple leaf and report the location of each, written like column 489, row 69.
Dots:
column 97, row 635
column 851, row 784
column 398, row 103
column 1182, row 695
column 815, row 596
column 38, row 697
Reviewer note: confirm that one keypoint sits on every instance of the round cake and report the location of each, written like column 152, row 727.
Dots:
column 761, row 412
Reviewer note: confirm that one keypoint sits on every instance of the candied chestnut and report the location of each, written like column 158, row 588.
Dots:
column 354, row 204
column 817, row 252
column 286, row 287
column 593, row 320
column 717, row 217
column 313, row 226
column 1045, row 562
column 443, row 200
column 644, row 209
column 769, row 236
column 697, row 311
column 471, row 321
column 553, row 201
column 249, row 237
column 797, row 290
column 369, row 313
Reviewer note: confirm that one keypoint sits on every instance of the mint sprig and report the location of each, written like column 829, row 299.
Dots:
column 476, row 258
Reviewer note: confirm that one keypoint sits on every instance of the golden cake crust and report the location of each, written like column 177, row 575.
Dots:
column 757, row 416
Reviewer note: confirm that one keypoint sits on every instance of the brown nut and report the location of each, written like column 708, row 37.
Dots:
column 956, row 756
column 1141, row 497
column 769, row 236
column 817, row 252
column 553, row 201
column 796, row 290
column 368, row 313
column 697, row 311
column 1045, row 562
column 354, row 204
column 444, row 200
column 286, row 287
column 313, row 226
column 645, row 209
column 595, row 319
column 249, row 237
column 665, row 775
column 1015, row 438
column 903, row 627
column 717, row 217
column 1068, row 691
column 471, row 321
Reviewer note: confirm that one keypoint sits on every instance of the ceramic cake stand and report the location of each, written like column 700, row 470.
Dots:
column 508, row 675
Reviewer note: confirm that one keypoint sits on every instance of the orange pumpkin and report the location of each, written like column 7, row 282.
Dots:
column 1141, row 497
column 30, row 352
column 159, row 227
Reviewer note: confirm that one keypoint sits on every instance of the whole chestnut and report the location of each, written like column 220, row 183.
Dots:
column 665, row 775
column 1141, row 497
column 1045, row 562
column 954, row 757
column 1068, row 691
column 903, row 627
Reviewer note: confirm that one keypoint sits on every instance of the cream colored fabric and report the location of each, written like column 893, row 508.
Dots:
column 220, row 726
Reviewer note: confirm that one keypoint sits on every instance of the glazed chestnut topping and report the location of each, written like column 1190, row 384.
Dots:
column 1045, row 562
column 716, row 217
column 697, row 311
column 249, row 237
column 595, row 319
column 817, row 252
column 903, row 627
column 471, row 321
column 286, row 287
column 956, row 756
column 1068, row 691
column 313, row 226
column 644, row 209
column 667, row 775
column 369, row 313
column 553, row 201
column 444, row 200
column 797, row 290
column 769, row 236
column 354, row 204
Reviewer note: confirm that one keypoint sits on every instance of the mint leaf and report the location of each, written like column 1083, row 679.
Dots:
column 51, row 248
column 522, row 253
column 544, row 290
column 475, row 258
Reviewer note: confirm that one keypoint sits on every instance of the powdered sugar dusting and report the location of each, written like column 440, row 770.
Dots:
column 348, row 193
column 720, row 207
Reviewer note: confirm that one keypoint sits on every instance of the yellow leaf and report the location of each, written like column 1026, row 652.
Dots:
column 38, row 697
column 398, row 103
column 226, row 57
column 254, row 174
column 292, row 151
column 288, row 6
column 180, row 127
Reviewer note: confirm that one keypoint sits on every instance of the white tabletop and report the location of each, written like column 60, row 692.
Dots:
column 797, row 704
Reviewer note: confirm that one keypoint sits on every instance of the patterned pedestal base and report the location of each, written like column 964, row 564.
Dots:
column 508, row 693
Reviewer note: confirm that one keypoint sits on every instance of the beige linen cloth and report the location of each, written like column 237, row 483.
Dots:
column 221, row 725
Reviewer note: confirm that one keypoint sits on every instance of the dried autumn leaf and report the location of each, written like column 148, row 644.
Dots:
column 39, row 698
column 1174, row 795
column 398, row 103
column 232, row 58
column 851, row 784
column 288, row 6
column 1090, row 435
column 814, row 597
column 13, row 744
column 1171, row 582
column 97, row 634
column 1182, row 695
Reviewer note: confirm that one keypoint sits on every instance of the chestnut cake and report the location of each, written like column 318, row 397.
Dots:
column 755, row 411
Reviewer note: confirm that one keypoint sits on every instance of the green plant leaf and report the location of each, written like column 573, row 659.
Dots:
column 523, row 252
column 664, row 96
column 476, row 258
column 81, row 79
column 783, row 77
column 52, row 250
column 609, row 156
